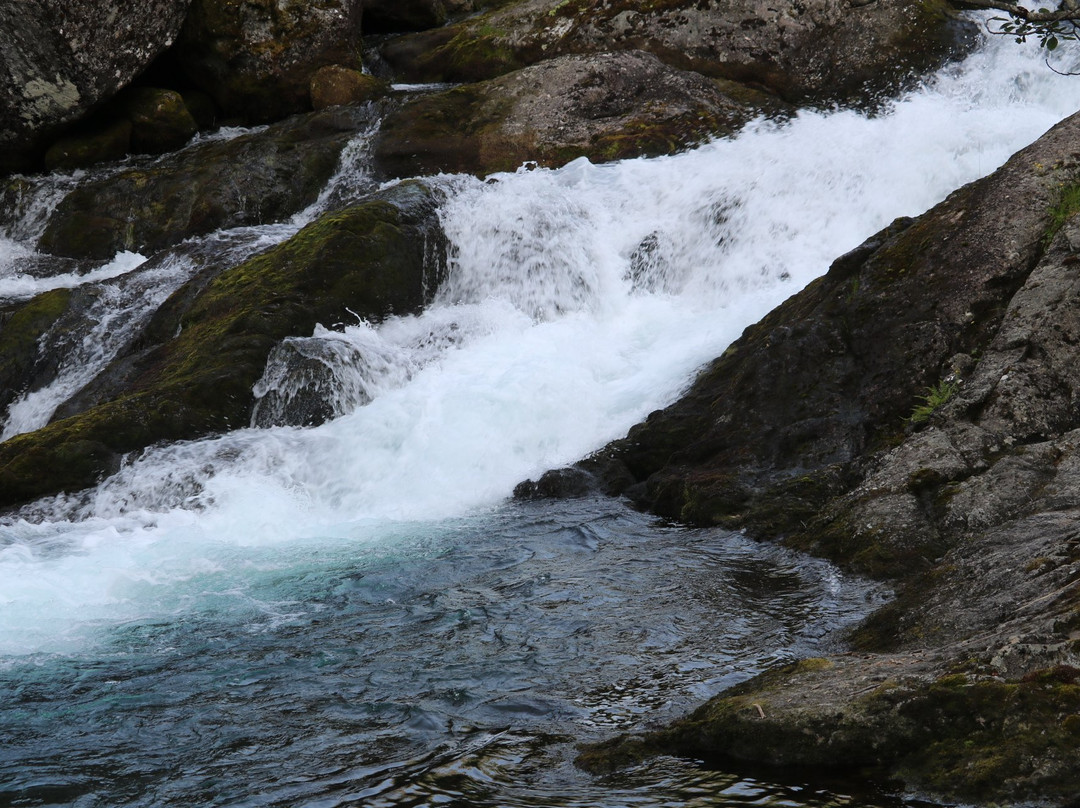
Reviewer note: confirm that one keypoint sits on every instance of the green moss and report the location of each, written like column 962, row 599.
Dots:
column 993, row 740
column 367, row 259
column 20, row 335
column 1067, row 204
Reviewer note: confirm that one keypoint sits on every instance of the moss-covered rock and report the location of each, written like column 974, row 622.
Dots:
column 335, row 85
column 375, row 259
column 21, row 328
column 822, row 50
column 160, row 120
column 95, row 144
column 256, row 58
column 252, row 179
column 603, row 106
column 959, row 736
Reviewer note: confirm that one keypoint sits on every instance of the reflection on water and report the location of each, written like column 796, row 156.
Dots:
column 454, row 663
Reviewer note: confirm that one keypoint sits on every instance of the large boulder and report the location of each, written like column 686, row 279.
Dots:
column 194, row 369
column 260, row 177
column 915, row 415
column 603, row 106
column 256, row 58
column 818, row 50
column 59, row 58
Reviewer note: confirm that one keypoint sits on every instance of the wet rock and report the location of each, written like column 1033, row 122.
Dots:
column 63, row 57
column 22, row 326
column 193, row 372
column 310, row 380
column 334, row 85
column 98, row 144
column 256, row 58
column 603, row 106
column 557, row 484
column 251, row 179
column 160, row 120
column 825, row 49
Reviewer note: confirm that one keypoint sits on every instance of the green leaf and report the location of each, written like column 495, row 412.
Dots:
column 1051, row 43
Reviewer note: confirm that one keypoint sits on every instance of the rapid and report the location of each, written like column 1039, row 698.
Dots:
column 356, row 613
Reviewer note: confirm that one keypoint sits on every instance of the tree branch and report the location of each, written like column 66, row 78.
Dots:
column 1061, row 15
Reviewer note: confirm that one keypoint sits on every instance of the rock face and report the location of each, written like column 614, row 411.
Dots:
column 335, row 85
column 256, row 58
column 193, row 371
column 252, row 179
column 913, row 415
column 824, row 49
column 58, row 58
column 604, row 106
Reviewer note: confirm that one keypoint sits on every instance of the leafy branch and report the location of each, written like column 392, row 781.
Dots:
column 1049, row 27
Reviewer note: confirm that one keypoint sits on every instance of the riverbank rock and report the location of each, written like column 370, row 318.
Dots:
column 63, row 57
column 824, row 50
column 912, row 415
column 603, row 106
column 336, row 85
column 255, row 178
column 256, row 58
column 193, row 372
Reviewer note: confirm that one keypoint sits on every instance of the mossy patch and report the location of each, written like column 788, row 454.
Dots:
column 1067, row 205
column 20, row 333
column 370, row 259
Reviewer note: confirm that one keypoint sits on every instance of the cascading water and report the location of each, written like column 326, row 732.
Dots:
column 350, row 614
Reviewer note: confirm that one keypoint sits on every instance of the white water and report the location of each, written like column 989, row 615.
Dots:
column 549, row 339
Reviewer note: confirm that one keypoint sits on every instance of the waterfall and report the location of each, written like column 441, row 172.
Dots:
column 577, row 301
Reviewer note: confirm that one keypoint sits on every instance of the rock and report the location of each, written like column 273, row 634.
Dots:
column 202, row 108
column 193, row 372
column 557, row 484
column 968, row 684
column 110, row 141
column 22, row 326
column 160, row 120
column 252, row 179
column 604, row 106
column 335, row 85
column 821, row 50
column 256, row 58
column 63, row 57
column 308, row 381
column 381, row 16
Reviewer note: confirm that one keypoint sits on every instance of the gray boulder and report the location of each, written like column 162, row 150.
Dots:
column 59, row 58
column 604, row 106
column 816, row 50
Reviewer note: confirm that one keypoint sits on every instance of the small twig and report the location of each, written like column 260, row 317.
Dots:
column 760, row 711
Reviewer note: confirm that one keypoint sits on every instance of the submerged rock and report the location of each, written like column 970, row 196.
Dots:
column 603, row 106
column 912, row 415
column 256, row 178
column 63, row 57
column 193, row 372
